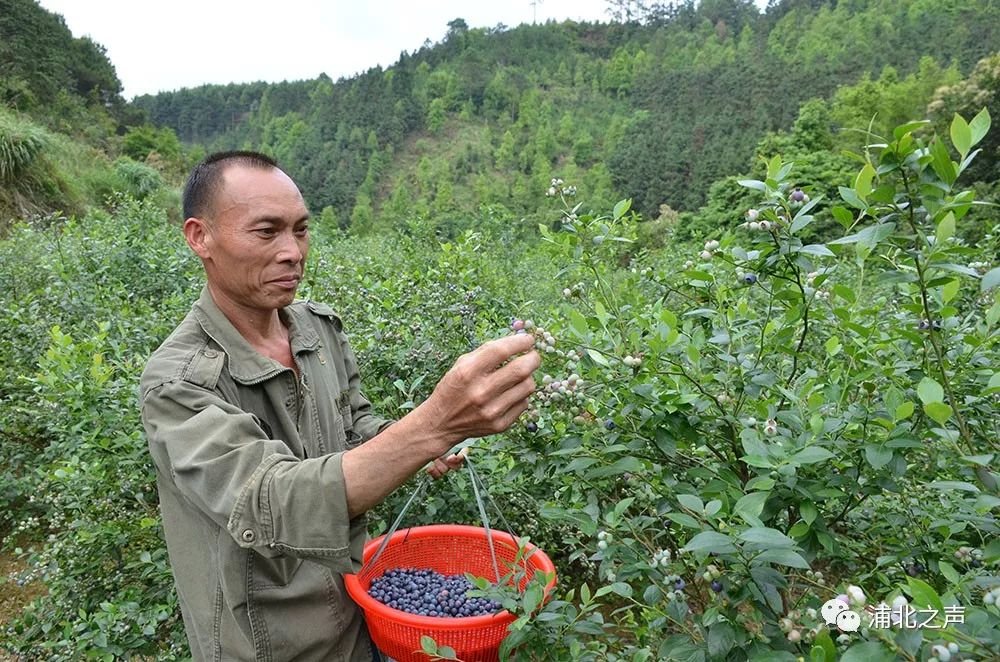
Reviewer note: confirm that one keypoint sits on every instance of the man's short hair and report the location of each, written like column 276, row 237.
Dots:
column 205, row 180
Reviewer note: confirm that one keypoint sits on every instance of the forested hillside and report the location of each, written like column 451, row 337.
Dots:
column 773, row 388
column 68, row 140
column 656, row 109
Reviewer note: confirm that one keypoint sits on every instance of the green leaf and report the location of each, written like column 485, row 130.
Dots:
column 811, row 455
column 817, row 249
column 751, row 504
column 903, row 129
column 949, row 572
column 799, row 529
column 938, row 411
column 710, row 541
column 990, row 280
column 447, row 652
column 942, row 163
column 923, row 594
column 863, row 182
column 691, row 502
column 620, row 588
column 721, row 639
column 428, row 645
column 953, row 485
column 851, row 198
column 868, row 651
column 782, row 556
column 823, row 640
column 597, row 357
column 624, row 465
column 904, row 411
column 578, row 323
column 950, row 290
column 622, row 208
column 684, row 520
column 878, row 455
column 808, row 511
column 930, row 391
column 961, row 135
column 842, row 216
column 751, row 183
column 531, row 598
column 766, row 536
column 945, row 229
column 979, row 126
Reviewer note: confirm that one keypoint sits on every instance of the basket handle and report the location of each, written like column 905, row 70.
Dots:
column 480, row 504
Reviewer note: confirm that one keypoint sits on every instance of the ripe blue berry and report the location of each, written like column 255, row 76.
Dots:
column 428, row 593
column 679, row 584
column 717, row 586
column 531, row 426
column 609, row 424
column 749, row 279
column 797, row 195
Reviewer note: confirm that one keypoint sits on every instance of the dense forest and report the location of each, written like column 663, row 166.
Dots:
column 487, row 116
column 761, row 245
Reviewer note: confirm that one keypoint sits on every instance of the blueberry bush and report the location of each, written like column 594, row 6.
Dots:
column 726, row 435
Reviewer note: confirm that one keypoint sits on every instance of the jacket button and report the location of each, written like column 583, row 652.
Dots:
column 249, row 536
column 210, row 353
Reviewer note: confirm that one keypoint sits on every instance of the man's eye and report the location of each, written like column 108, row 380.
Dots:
column 265, row 232
column 302, row 230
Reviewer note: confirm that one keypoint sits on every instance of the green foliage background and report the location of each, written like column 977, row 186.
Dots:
column 806, row 407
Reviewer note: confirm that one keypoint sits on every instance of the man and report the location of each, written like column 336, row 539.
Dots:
column 267, row 454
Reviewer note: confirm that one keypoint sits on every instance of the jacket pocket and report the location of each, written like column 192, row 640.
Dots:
column 351, row 438
column 302, row 619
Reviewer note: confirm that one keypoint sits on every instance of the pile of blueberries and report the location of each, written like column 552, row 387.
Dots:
column 429, row 593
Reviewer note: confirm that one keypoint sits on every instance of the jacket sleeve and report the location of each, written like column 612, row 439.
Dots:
column 220, row 459
column 366, row 424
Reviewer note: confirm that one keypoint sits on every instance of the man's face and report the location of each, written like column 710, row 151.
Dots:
column 257, row 238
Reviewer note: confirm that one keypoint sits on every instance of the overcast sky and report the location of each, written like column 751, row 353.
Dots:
column 158, row 46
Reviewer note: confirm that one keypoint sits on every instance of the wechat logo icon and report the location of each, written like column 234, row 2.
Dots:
column 836, row 613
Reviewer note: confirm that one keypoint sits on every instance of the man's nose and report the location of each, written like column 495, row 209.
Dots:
column 292, row 249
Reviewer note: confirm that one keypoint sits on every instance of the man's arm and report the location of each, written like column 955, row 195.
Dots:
column 218, row 457
column 477, row 397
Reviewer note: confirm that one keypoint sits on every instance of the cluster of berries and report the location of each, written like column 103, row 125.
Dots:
column 771, row 427
column 797, row 198
column 816, row 577
column 712, row 575
column 568, row 390
column 429, row 593
column 810, row 288
column 661, row 558
column 677, row 583
column 559, row 187
column 755, row 225
column 710, row 247
column 926, row 324
column 943, row 652
column 746, row 278
column 981, row 267
column 992, row 596
column 632, row 361
column 574, row 291
column 973, row 556
column 557, row 389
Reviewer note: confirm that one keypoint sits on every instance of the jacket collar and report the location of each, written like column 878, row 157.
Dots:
column 246, row 364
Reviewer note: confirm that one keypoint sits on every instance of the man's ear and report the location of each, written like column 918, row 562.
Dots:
column 198, row 236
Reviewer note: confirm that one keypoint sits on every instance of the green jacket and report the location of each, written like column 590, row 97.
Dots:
column 248, row 463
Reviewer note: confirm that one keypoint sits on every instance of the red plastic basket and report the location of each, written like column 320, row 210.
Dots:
column 449, row 549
